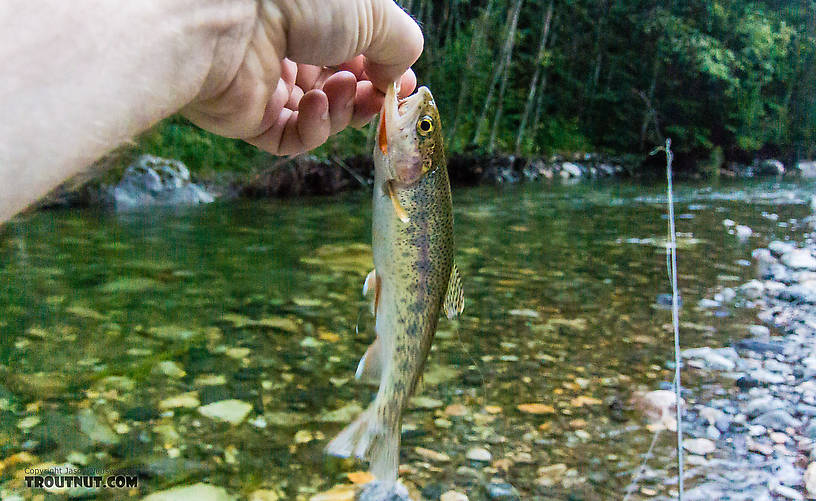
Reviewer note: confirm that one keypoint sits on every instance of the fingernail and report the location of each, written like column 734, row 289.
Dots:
column 325, row 115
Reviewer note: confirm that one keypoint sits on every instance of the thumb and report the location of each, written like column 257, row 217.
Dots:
column 330, row 32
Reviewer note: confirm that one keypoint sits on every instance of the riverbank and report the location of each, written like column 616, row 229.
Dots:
column 308, row 175
column 751, row 420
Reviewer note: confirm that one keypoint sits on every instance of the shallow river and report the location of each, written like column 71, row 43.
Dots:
column 119, row 330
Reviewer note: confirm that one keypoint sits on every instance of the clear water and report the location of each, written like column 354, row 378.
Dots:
column 258, row 301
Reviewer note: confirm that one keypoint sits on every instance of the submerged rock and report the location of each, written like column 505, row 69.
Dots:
column 195, row 492
column 342, row 415
column 453, row 496
column 231, row 411
column 502, row 491
column 479, row 454
column 96, row 429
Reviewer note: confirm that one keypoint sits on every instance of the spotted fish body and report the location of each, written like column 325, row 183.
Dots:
column 413, row 267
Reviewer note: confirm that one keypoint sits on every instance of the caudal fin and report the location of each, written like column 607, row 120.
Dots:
column 369, row 438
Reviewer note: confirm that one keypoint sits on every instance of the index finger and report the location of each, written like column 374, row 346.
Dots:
column 396, row 44
column 330, row 32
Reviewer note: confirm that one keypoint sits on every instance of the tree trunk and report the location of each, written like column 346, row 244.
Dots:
column 512, row 19
column 505, row 76
column 647, row 112
column 540, row 94
column 542, row 45
column 475, row 43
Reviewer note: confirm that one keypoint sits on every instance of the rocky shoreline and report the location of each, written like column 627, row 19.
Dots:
column 308, row 175
column 756, row 440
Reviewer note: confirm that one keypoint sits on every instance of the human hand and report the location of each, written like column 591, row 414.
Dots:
column 306, row 69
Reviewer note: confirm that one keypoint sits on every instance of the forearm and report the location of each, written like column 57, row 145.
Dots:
column 80, row 78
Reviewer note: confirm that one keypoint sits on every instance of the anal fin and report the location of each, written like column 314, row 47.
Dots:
column 455, row 298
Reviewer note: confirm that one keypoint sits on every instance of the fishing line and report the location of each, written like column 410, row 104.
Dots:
column 483, row 378
column 671, row 268
column 671, row 252
column 630, row 489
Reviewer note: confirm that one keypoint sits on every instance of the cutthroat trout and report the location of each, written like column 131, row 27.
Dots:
column 414, row 277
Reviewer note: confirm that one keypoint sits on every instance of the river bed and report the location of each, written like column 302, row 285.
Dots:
column 121, row 330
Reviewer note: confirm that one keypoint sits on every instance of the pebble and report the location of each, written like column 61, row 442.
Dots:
column 759, row 330
column 456, row 410
column 810, row 480
column 763, row 376
column 752, row 289
column 721, row 359
column 195, row 492
column 777, row 419
column 342, row 415
column 502, row 491
column 778, row 437
column 231, row 411
column 699, row 446
column 707, row 304
column 763, row 404
column 432, row 455
column 743, row 232
column 453, row 496
column 169, row 369
column 172, row 332
column 777, row 247
column 800, row 259
column 183, row 400
column 423, row 402
column 342, row 492
column 754, row 446
column 479, row 454
column 551, row 475
column 264, row 495
column 28, row 422
column 789, row 493
column 758, row 346
column 535, row 408
column 96, row 429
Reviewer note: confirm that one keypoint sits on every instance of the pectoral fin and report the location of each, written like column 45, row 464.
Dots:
column 455, row 298
column 370, row 367
column 401, row 214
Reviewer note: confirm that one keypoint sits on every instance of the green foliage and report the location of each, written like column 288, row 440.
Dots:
column 730, row 76
column 198, row 149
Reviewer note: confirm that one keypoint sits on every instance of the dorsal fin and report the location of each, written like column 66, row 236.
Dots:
column 455, row 298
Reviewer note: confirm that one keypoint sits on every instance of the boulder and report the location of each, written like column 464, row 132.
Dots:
column 154, row 181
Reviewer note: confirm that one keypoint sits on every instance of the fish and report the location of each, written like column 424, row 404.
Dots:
column 414, row 278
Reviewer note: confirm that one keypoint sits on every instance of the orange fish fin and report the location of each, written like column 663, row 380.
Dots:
column 401, row 214
column 382, row 141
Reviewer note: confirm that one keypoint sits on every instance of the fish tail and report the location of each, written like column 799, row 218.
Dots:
column 370, row 437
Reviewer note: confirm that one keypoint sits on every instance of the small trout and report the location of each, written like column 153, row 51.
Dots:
column 414, row 277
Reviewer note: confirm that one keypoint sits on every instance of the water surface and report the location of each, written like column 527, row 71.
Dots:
column 258, row 301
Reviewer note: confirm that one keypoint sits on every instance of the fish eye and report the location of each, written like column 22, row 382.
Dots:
column 425, row 125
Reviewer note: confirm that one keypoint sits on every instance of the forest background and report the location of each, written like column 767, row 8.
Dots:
column 727, row 80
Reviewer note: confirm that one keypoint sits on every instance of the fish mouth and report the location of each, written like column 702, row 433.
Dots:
column 399, row 114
